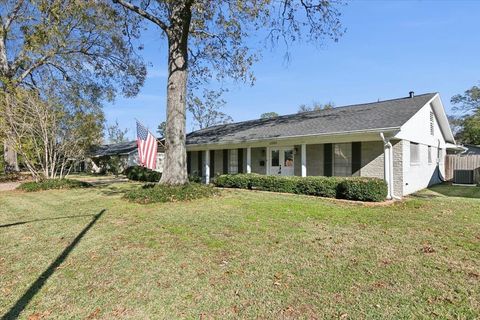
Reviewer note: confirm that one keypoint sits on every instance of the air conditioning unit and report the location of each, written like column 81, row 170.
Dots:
column 463, row 176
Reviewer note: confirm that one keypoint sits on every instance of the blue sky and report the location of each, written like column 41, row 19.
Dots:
column 389, row 49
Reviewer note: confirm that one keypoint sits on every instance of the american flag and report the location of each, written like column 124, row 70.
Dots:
column 147, row 147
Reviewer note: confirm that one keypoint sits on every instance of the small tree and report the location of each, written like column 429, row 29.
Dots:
column 48, row 135
column 206, row 112
column 115, row 134
column 268, row 115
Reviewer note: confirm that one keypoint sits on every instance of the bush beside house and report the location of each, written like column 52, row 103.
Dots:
column 138, row 173
column 52, row 184
column 356, row 188
column 152, row 193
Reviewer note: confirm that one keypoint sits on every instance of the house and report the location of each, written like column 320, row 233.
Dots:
column 403, row 141
column 127, row 153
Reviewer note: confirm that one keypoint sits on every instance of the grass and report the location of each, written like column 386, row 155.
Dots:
column 243, row 254
column 457, row 191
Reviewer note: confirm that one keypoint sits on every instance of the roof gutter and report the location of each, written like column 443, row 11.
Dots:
column 339, row 133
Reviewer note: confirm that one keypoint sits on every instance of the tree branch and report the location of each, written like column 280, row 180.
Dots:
column 143, row 13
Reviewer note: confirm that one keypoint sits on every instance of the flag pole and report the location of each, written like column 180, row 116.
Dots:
column 151, row 134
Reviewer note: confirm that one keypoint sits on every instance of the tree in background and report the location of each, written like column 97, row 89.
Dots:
column 268, row 115
column 467, row 126
column 206, row 110
column 207, row 40
column 80, row 47
column 315, row 106
column 115, row 134
column 161, row 129
column 48, row 135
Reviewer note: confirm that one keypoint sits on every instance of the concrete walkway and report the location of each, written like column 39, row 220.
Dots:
column 8, row 186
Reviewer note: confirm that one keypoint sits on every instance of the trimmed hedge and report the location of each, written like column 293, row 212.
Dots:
column 363, row 189
column 152, row 193
column 352, row 188
column 52, row 184
column 138, row 173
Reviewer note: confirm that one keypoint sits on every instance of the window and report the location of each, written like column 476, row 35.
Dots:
column 233, row 161
column 429, row 155
column 275, row 158
column 414, row 153
column 342, row 159
column 432, row 123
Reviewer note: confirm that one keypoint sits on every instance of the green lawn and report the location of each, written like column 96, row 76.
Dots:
column 243, row 254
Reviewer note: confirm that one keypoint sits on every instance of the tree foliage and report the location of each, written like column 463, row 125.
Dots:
column 268, row 115
column 315, row 106
column 48, row 135
column 115, row 134
column 206, row 110
column 467, row 126
column 79, row 47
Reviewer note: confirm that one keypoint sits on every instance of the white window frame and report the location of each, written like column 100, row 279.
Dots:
column 415, row 162
column 233, row 161
column 349, row 156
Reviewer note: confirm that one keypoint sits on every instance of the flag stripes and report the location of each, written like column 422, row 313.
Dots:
column 147, row 147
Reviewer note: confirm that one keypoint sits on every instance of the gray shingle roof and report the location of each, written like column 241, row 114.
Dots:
column 369, row 116
column 114, row 149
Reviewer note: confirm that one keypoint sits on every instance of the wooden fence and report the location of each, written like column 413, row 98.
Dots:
column 459, row 162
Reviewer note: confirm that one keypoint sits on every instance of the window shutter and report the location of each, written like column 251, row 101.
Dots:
column 189, row 162
column 200, row 164
column 240, row 160
column 225, row 161
column 212, row 163
column 356, row 158
column 327, row 159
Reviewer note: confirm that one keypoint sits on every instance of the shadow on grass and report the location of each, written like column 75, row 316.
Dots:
column 21, row 303
column 44, row 219
column 449, row 190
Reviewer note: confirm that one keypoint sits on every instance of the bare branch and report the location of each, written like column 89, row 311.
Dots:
column 143, row 13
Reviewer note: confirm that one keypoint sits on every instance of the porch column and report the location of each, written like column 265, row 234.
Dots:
column 267, row 172
column 207, row 166
column 304, row 160
column 249, row 159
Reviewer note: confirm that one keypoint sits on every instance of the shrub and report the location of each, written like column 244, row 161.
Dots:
column 363, row 189
column 10, row 177
column 138, row 173
column 52, row 184
column 151, row 193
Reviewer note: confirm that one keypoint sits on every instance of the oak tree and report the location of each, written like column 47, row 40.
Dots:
column 79, row 47
column 214, row 40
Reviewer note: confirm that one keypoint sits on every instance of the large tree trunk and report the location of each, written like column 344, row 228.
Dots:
column 175, row 165
column 10, row 158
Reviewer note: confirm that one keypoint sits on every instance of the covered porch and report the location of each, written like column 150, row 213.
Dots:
column 342, row 156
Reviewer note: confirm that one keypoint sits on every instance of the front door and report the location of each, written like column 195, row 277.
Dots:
column 282, row 161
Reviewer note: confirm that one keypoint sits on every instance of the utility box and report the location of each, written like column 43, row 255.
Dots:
column 464, row 176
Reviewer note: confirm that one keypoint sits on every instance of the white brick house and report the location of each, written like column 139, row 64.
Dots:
column 403, row 141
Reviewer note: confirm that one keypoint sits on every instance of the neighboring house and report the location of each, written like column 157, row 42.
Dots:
column 126, row 151
column 403, row 141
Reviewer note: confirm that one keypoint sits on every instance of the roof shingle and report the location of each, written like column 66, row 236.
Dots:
column 369, row 116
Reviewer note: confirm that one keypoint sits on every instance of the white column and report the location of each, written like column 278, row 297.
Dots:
column 268, row 161
column 249, row 160
column 304, row 160
column 207, row 166
column 387, row 154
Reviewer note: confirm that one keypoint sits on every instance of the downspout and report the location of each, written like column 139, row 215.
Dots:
column 442, row 179
column 388, row 166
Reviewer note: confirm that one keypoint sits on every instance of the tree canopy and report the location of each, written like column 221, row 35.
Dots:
column 467, row 126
